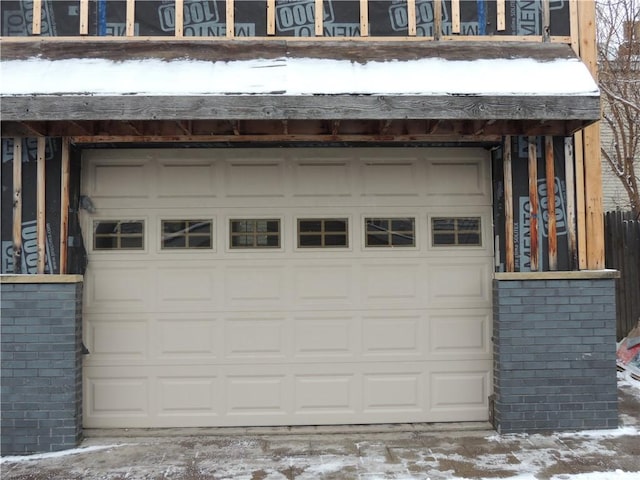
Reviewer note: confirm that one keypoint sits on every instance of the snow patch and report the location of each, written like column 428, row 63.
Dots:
column 297, row 76
column 62, row 453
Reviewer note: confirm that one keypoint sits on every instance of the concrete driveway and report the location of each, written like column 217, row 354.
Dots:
column 417, row 451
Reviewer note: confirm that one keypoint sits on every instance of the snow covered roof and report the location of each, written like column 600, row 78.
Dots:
column 285, row 80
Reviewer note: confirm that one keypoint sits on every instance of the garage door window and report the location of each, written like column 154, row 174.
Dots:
column 390, row 232
column 456, row 231
column 322, row 232
column 186, row 234
column 255, row 233
column 118, row 235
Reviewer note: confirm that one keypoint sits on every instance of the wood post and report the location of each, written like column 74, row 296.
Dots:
column 571, row 203
column 41, row 204
column 17, row 205
column 179, row 27
column 437, row 19
column 591, row 148
column 501, row 24
column 411, row 18
column 508, row 207
column 84, row 17
column 550, row 173
column 455, row 16
column 230, row 18
column 131, row 18
column 546, row 21
column 64, row 205
column 364, row 18
column 36, row 24
column 533, row 203
column 271, row 17
column 319, row 17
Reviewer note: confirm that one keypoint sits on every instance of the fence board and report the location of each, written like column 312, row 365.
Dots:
column 622, row 237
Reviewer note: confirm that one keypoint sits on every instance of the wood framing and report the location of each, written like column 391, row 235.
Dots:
column 591, row 138
column 64, row 204
column 550, row 174
column 508, row 207
column 411, row 18
column 501, row 23
column 364, row 18
column 569, row 174
column 179, row 28
column 130, row 21
column 84, row 17
column 41, row 231
column 17, row 205
column 230, row 19
column 319, row 17
column 437, row 19
column 271, row 17
column 533, row 205
column 455, row 16
column 36, row 22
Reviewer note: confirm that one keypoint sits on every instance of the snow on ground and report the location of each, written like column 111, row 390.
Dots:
column 50, row 455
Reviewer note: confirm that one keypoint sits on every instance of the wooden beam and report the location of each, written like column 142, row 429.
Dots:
column 311, row 107
column 581, row 218
column 552, row 235
column 36, row 23
column 437, row 19
column 64, row 205
column 501, row 16
column 84, row 17
column 271, row 17
column 571, row 202
column 591, row 136
column 130, row 18
column 179, row 27
column 546, row 21
column 41, row 230
column 533, row 204
column 573, row 26
column 364, row 18
column 411, row 18
column 455, row 16
column 319, row 17
column 508, row 207
column 230, row 18
column 17, row 205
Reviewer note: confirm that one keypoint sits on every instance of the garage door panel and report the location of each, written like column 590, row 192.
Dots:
column 251, row 178
column 119, row 286
column 287, row 336
column 462, row 391
column 123, row 338
column 322, row 178
column 256, row 338
column 460, row 333
column 196, row 395
column 459, row 282
column 179, row 179
column 324, row 337
column 323, row 284
column 188, row 338
column 386, row 282
column 325, row 394
column 195, row 285
column 395, row 334
column 256, row 286
column 388, row 177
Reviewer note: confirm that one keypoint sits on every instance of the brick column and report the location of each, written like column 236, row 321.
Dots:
column 41, row 350
column 554, row 352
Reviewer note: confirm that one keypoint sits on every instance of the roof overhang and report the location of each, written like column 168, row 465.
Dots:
column 500, row 88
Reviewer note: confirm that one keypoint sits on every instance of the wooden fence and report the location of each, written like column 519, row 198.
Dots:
column 622, row 243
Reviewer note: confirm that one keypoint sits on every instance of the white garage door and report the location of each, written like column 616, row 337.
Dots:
column 287, row 286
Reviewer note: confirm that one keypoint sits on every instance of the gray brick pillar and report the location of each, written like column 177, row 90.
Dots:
column 554, row 352
column 41, row 351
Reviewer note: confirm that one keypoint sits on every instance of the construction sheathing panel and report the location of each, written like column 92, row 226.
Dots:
column 29, row 206
column 521, row 210
column 296, row 18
